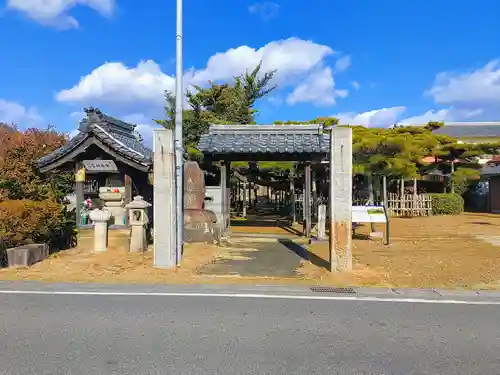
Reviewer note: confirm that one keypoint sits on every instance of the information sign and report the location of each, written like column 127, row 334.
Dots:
column 368, row 214
column 100, row 166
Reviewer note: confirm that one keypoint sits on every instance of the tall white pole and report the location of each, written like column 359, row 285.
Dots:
column 179, row 151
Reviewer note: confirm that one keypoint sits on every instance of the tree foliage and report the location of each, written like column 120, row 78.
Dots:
column 399, row 152
column 20, row 177
column 226, row 103
column 30, row 202
column 396, row 152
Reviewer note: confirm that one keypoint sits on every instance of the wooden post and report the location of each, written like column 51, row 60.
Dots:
column 414, row 197
column 314, row 210
column 292, row 196
column 452, row 188
column 371, row 197
column 79, row 191
column 244, row 199
column 386, row 207
column 384, row 191
column 128, row 195
column 402, row 196
column 307, row 200
column 226, row 191
column 223, row 187
column 250, row 194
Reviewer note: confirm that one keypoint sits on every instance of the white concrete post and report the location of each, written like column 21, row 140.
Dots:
column 164, row 215
column 100, row 219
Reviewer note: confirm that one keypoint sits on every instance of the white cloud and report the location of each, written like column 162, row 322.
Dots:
column 291, row 57
column 114, row 83
column 383, row 117
column 140, row 88
column 476, row 87
column 343, row 63
column 356, row 85
column 12, row 112
column 318, row 88
column 265, row 10
column 473, row 95
column 55, row 12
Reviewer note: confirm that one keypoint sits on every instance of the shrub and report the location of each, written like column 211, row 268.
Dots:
column 26, row 221
column 447, row 204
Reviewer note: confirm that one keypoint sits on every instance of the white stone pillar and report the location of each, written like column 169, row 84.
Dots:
column 100, row 219
column 164, row 209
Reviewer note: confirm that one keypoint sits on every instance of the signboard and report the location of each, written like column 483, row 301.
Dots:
column 368, row 214
column 100, row 166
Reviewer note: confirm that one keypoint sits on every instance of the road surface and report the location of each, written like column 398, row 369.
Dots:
column 161, row 334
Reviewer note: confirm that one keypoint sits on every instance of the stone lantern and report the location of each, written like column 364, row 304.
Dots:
column 100, row 219
column 138, row 218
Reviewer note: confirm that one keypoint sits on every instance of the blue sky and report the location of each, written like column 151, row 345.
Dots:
column 368, row 62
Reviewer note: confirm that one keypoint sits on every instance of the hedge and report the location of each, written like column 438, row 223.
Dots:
column 26, row 221
column 447, row 204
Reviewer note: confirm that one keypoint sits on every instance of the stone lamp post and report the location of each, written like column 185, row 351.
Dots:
column 138, row 218
column 100, row 219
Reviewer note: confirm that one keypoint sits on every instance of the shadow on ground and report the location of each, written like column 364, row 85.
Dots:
column 304, row 253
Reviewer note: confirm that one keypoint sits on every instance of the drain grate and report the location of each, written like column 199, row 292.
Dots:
column 329, row 289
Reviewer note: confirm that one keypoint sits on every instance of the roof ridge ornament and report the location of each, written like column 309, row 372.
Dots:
column 93, row 114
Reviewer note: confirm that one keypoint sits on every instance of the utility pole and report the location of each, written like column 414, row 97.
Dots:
column 179, row 149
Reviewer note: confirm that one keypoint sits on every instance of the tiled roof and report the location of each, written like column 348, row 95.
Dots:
column 267, row 139
column 471, row 130
column 114, row 133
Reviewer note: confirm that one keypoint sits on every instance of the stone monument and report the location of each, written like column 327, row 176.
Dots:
column 200, row 225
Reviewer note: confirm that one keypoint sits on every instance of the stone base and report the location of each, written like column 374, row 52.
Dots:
column 194, row 235
column 25, row 256
column 200, row 226
column 118, row 238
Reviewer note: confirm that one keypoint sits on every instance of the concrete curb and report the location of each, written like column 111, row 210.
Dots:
column 388, row 293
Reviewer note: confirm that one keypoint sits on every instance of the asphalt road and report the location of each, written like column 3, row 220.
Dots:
column 94, row 335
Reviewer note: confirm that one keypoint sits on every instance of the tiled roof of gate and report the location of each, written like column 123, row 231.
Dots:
column 270, row 139
column 470, row 129
column 116, row 134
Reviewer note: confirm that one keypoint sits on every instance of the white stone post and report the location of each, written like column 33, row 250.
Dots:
column 138, row 218
column 100, row 219
column 321, row 222
column 164, row 209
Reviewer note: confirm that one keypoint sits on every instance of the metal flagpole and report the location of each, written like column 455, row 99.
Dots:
column 179, row 151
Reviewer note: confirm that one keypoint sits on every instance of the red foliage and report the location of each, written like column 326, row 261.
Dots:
column 19, row 151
